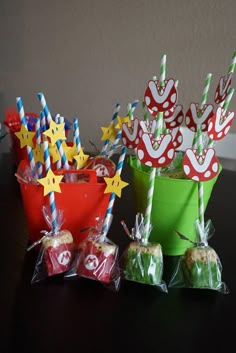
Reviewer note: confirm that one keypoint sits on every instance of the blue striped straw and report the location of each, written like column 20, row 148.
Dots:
column 52, row 201
column 21, row 112
column 38, row 141
column 49, row 119
column 43, row 121
column 113, row 195
column 114, row 116
column 77, row 134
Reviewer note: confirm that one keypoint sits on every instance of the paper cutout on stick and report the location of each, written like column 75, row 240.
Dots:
column 108, row 133
column 25, row 137
column 152, row 156
column 200, row 167
column 81, row 159
column 223, row 88
column 115, row 184
column 196, row 117
column 38, row 154
column 160, row 98
column 55, row 132
column 131, row 136
column 219, row 124
column 123, row 120
column 174, row 118
column 51, row 182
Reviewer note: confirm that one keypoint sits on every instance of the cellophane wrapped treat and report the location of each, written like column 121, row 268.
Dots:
column 56, row 253
column 97, row 259
column 200, row 266
column 142, row 261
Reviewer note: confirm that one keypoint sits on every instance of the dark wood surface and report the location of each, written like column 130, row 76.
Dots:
column 83, row 316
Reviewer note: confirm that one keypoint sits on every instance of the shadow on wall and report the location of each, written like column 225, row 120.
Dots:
column 5, row 141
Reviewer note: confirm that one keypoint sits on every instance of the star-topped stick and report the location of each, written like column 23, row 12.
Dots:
column 24, row 135
column 80, row 158
column 109, row 133
column 114, row 189
column 55, row 132
column 51, row 185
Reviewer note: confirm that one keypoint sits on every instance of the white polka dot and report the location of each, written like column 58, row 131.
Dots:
column 173, row 124
column 173, row 98
column 220, row 134
column 161, row 160
column 226, row 130
column 124, row 141
column 210, row 126
column 187, row 120
column 174, row 143
column 147, row 100
column 180, row 139
column 207, row 174
column 136, row 141
column 166, row 104
column 203, row 126
column 186, row 169
column 211, row 136
column 180, row 119
column 195, row 177
column 130, row 146
column 140, row 154
column 167, row 113
column 155, row 109
column 192, row 128
column 170, row 153
column 148, row 164
column 215, row 167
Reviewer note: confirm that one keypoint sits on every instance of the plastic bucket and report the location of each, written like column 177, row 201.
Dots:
column 174, row 207
column 81, row 203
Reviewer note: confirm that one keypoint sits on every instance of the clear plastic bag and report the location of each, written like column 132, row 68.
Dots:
column 200, row 266
column 142, row 261
column 56, row 253
column 97, row 259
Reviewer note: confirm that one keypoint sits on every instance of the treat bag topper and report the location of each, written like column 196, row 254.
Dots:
column 200, row 265
column 57, row 248
column 97, row 258
column 142, row 261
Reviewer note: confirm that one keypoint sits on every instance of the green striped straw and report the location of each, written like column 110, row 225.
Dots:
column 199, row 143
column 233, row 63
column 203, row 101
column 148, row 211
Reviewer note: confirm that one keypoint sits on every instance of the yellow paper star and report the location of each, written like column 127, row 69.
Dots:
column 55, row 132
column 51, row 182
column 109, row 133
column 70, row 151
column 38, row 154
column 123, row 120
column 54, row 153
column 73, row 152
column 25, row 137
column 81, row 159
column 115, row 185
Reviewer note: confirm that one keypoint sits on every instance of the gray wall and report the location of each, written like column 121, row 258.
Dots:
column 88, row 55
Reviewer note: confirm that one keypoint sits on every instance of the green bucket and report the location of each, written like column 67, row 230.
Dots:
column 174, row 207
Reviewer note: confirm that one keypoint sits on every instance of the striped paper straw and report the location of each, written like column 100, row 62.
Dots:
column 113, row 195
column 21, row 112
column 233, row 63
column 49, row 119
column 58, row 120
column 205, row 92
column 77, row 134
column 148, row 211
column 52, row 201
column 38, row 141
column 199, row 143
column 114, row 116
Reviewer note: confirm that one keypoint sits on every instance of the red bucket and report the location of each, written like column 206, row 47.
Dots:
column 81, row 202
